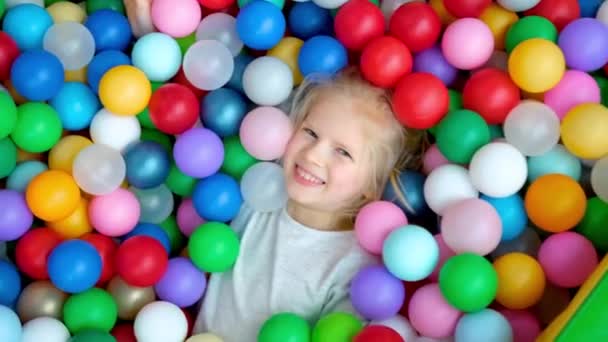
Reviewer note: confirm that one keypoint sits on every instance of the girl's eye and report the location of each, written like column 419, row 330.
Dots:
column 344, row 153
column 310, row 132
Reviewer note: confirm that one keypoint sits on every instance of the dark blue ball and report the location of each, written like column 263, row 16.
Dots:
column 102, row 62
column 406, row 190
column 240, row 63
column 110, row 29
column 37, row 75
column 148, row 164
column 222, row 111
column 589, row 7
column 322, row 54
column 10, row 283
column 217, row 198
column 307, row 19
column 152, row 230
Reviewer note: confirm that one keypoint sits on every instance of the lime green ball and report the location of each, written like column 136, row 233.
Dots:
column 283, row 327
column 337, row 327
column 455, row 100
column 594, row 223
column 236, row 159
column 213, row 247
column 169, row 225
column 460, row 134
column 8, row 118
column 38, row 127
column 95, row 5
column 468, row 282
column 528, row 27
column 185, row 42
column 92, row 309
column 8, row 161
column 156, row 136
column 278, row 3
column 92, row 336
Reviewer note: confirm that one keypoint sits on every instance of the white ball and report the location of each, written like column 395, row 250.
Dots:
column 518, row 5
column 71, row 42
column 602, row 13
column 447, row 185
column 160, row 321
column 116, row 131
column 599, row 179
column 221, row 27
column 99, row 169
column 263, row 186
column 401, row 325
column 208, row 64
column 267, row 81
column 532, row 127
column 329, row 4
column 46, row 329
column 498, row 169
column 12, row 3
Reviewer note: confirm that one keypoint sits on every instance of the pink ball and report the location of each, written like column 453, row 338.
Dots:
column 467, row 43
column 177, row 18
column 444, row 254
column 114, row 214
column 375, row 221
column 525, row 325
column 574, row 88
column 431, row 314
column 471, row 225
column 265, row 132
column 187, row 217
column 567, row 258
column 433, row 158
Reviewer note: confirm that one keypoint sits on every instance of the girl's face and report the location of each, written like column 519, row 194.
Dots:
column 325, row 163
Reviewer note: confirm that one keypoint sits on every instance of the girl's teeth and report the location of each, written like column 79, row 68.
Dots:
column 308, row 176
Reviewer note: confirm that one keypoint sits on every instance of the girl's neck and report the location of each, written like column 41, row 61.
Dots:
column 318, row 219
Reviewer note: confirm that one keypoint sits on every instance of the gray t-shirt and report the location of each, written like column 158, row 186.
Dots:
column 282, row 266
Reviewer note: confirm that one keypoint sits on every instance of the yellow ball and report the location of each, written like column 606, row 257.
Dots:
column 445, row 16
column 536, row 65
column 499, row 20
column 61, row 156
column 584, row 131
column 288, row 50
column 521, row 281
column 125, row 90
column 206, row 337
column 75, row 225
column 64, row 11
column 79, row 75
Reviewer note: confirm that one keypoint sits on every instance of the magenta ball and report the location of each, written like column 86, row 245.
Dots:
column 198, row 152
column 187, row 217
column 376, row 294
column 432, row 159
column 114, row 214
column 574, row 88
column 467, row 43
column 525, row 325
column 430, row 314
column 265, row 132
column 567, row 258
column 183, row 284
column 15, row 216
column 375, row 221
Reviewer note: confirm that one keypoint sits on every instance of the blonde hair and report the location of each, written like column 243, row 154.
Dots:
column 398, row 148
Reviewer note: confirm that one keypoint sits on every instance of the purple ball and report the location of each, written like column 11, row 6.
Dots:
column 376, row 294
column 584, row 43
column 182, row 284
column 198, row 152
column 432, row 61
column 15, row 216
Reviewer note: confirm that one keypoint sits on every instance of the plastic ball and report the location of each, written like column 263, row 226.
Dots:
column 498, row 169
column 420, row 100
column 124, row 90
column 518, row 5
column 598, row 178
column 76, row 224
column 430, row 314
column 432, row 159
column 532, row 127
column 38, row 127
column 147, row 164
column 447, row 185
column 110, row 29
column 10, row 283
column 416, row 24
column 322, row 54
column 198, row 152
column 531, row 75
column 267, row 81
column 260, row 25
column 176, row 18
column 584, row 43
column 358, row 22
column 307, row 19
column 187, row 217
column 114, row 214
column 37, row 75
column 94, row 309
column 76, row 105
column 75, row 35
column 484, row 325
column 410, row 253
column 101, row 63
column 217, row 198
column 9, row 51
column 221, row 27
column 375, row 221
column 581, row 131
column 237, row 160
column 99, row 169
column 156, row 203
column 208, row 64
column 525, row 325
column 9, row 162
column 410, row 184
column 263, row 187
column 106, row 247
column 575, row 87
column 512, row 214
column 32, row 251
column 62, row 155
column 376, row 294
column 288, row 50
column 432, row 61
column 466, row 9
column 559, row 12
column 529, row 27
column 182, row 284
column 45, row 329
column 52, row 195
column 213, row 247
column 74, row 266
column 23, row 173
column 460, row 134
column 265, row 132
column 385, row 60
column 115, row 131
column 153, row 231
column 557, row 160
column 141, row 261
column 493, row 105
column 222, row 111
column 284, row 326
column 336, row 326
column 399, row 324
column 160, row 321
column 173, row 108
column 473, row 34
column 378, row 333
column 27, row 24
column 167, row 56
column 591, row 226
column 11, row 325
column 521, row 280
column 499, row 20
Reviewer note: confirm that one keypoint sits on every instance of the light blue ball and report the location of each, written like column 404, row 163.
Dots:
column 76, row 105
column 23, row 173
column 512, row 213
column 322, row 54
column 410, row 253
column 557, row 160
column 11, row 325
column 222, row 111
column 483, row 326
column 158, row 55
column 27, row 24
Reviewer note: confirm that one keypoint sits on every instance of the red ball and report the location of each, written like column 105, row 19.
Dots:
column 189, row 319
column 32, row 251
column 559, row 12
column 420, row 100
column 357, row 22
column 216, row 4
column 173, row 108
column 385, row 60
column 416, row 24
column 9, row 51
column 124, row 333
column 141, row 261
column 378, row 333
column 180, row 78
column 466, row 8
column 491, row 93
column 106, row 247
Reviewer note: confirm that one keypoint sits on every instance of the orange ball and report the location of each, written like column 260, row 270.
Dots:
column 52, row 195
column 521, row 281
column 555, row 202
column 76, row 224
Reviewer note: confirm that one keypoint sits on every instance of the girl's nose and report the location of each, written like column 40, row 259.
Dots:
column 315, row 153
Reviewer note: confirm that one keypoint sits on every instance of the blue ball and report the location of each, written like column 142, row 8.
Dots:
column 23, row 173
column 110, row 29
column 101, row 63
column 37, row 75
column 222, row 111
column 589, row 7
column 10, row 283
column 74, row 266
column 217, row 198
column 148, row 164
column 484, row 326
column 307, row 19
column 260, row 25
column 76, row 105
column 240, row 63
column 152, row 230
column 557, row 160
column 322, row 54
column 407, row 191
column 27, row 24
column 512, row 213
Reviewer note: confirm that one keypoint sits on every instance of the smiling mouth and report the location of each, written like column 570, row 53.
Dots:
column 304, row 177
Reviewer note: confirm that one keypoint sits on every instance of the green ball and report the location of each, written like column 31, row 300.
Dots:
column 455, row 100
column 528, row 27
column 602, row 82
column 468, row 282
column 95, row 5
column 213, row 247
column 496, row 132
column 92, row 309
column 278, row 3
column 185, row 42
column 594, row 223
column 156, row 136
column 144, row 116
column 169, row 225
column 38, row 127
column 8, row 159
column 180, row 183
column 237, row 160
column 285, row 327
column 337, row 327
column 92, row 336
column 8, row 118
column 460, row 134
